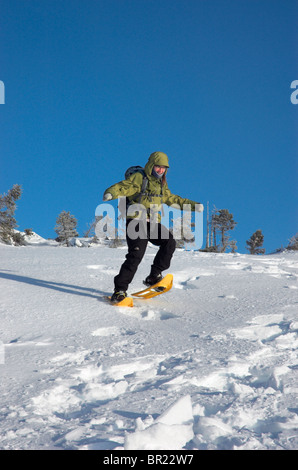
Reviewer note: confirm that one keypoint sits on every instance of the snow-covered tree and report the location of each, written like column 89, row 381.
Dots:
column 255, row 242
column 233, row 246
column 66, row 227
column 222, row 221
column 7, row 221
column 293, row 243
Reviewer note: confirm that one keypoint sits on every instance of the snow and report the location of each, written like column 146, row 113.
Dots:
column 210, row 365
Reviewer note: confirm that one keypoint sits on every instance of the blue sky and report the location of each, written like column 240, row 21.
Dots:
column 94, row 86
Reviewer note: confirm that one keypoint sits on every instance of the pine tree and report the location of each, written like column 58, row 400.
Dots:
column 66, row 227
column 293, row 243
column 233, row 246
column 222, row 222
column 7, row 221
column 255, row 242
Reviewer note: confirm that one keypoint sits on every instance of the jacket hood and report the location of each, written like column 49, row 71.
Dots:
column 156, row 158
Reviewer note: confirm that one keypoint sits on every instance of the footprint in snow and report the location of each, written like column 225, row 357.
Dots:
column 106, row 331
column 152, row 315
column 186, row 283
column 229, row 296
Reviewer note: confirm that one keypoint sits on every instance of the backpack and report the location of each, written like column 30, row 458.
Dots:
column 134, row 169
column 138, row 169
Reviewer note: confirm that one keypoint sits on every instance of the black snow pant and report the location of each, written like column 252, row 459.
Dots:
column 158, row 235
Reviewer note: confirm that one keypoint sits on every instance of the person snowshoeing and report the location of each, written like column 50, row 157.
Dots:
column 155, row 194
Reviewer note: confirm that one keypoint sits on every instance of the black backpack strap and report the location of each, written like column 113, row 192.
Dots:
column 143, row 188
column 142, row 192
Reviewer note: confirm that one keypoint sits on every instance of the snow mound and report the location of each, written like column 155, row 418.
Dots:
column 172, row 430
column 34, row 240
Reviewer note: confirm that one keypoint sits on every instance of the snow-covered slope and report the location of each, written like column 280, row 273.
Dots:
column 210, row 365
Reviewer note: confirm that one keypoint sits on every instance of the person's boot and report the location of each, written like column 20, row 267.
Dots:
column 152, row 279
column 118, row 296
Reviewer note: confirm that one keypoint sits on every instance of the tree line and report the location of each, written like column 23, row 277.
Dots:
column 218, row 237
column 220, row 224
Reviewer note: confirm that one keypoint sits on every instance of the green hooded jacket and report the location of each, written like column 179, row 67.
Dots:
column 155, row 195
